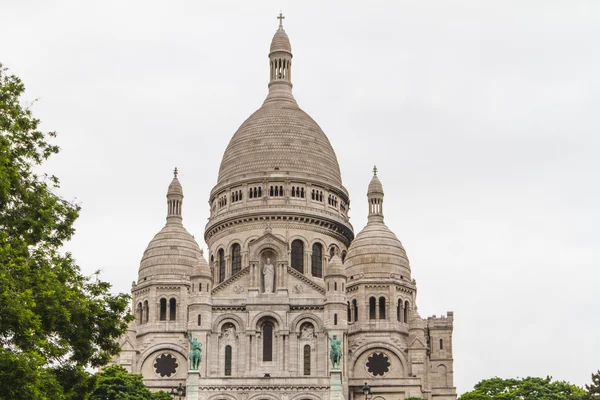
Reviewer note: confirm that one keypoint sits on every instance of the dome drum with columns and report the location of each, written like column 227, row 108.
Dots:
column 285, row 278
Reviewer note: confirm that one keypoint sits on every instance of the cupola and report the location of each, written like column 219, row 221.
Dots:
column 376, row 252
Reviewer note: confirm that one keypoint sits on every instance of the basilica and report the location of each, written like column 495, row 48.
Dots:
column 284, row 279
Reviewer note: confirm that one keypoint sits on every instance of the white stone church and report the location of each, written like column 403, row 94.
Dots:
column 285, row 273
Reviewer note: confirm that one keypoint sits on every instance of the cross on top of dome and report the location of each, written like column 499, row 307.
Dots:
column 175, row 172
column 375, row 170
column 280, row 17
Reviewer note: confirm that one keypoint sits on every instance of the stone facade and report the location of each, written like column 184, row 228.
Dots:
column 284, row 275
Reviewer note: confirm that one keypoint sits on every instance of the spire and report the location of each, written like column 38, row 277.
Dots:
column 280, row 64
column 174, row 199
column 375, row 197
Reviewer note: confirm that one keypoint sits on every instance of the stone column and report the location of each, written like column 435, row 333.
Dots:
column 193, row 383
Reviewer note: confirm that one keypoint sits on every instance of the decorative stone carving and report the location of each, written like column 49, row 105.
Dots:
column 238, row 289
column 307, row 331
column 298, row 288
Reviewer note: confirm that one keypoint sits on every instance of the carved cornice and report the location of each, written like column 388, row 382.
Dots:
column 305, row 280
column 293, row 220
column 227, row 282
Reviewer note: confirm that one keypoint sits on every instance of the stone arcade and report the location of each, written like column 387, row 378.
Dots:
column 285, row 274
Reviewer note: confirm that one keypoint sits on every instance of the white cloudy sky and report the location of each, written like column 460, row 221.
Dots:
column 482, row 117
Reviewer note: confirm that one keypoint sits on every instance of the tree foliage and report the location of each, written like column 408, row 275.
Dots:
column 115, row 383
column 524, row 389
column 593, row 389
column 54, row 321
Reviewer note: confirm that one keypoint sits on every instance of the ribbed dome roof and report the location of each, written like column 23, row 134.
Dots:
column 281, row 41
column 376, row 252
column 375, row 186
column 172, row 251
column 335, row 266
column 279, row 136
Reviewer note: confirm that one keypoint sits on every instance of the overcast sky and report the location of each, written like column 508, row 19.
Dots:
column 482, row 117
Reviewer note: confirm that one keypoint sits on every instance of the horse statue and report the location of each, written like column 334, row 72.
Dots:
column 195, row 352
column 335, row 354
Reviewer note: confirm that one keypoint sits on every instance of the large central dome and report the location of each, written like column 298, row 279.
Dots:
column 279, row 137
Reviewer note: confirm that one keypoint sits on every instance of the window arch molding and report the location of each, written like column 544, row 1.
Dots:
column 218, row 323
column 231, row 243
column 306, row 317
column 150, row 353
column 257, row 320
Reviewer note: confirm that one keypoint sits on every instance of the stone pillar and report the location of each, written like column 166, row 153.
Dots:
column 193, row 383
column 337, row 391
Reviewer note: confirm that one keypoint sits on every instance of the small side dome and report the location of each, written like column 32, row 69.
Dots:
column 172, row 252
column 335, row 266
column 202, row 269
column 376, row 252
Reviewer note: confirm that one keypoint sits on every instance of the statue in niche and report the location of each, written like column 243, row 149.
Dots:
column 229, row 331
column 307, row 331
column 268, row 272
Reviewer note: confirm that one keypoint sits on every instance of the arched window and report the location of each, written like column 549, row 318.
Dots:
column 293, row 191
column 298, row 255
column 236, row 259
column 281, row 191
column 349, row 313
column 406, row 311
column 221, row 265
column 163, row 309
column 399, row 311
column 271, row 192
column 146, row 311
column 138, row 313
column 259, row 191
column 267, row 336
column 228, row 360
column 372, row 307
column 343, row 256
column 355, row 306
column 250, row 193
column 441, row 344
column 335, row 319
column 306, row 359
column 172, row 309
column 382, row 308
column 199, row 319
column 317, row 260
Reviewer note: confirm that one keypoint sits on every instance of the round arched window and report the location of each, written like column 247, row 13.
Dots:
column 165, row 365
column 378, row 364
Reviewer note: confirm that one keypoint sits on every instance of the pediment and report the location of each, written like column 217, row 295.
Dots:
column 299, row 283
column 236, row 285
column 267, row 241
column 126, row 345
column 416, row 343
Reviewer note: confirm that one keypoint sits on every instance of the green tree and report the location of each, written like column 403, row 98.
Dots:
column 115, row 383
column 526, row 388
column 161, row 396
column 54, row 321
column 593, row 389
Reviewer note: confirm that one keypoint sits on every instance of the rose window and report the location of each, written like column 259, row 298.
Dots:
column 165, row 365
column 378, row 364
